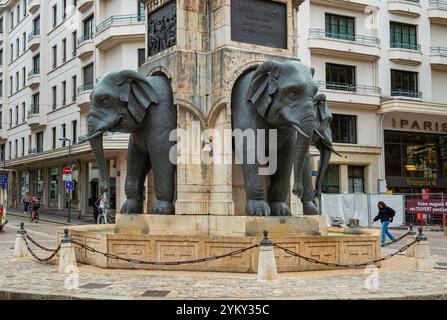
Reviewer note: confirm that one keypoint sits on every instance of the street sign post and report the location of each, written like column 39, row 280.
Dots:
column 4, row 180
column 67, row 177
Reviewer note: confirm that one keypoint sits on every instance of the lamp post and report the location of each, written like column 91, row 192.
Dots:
column 69, row 165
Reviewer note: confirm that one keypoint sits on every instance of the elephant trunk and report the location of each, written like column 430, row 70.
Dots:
column 96, row 142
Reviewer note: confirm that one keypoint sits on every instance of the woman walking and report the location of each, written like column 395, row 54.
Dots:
column 386, row 215
column 26, row 200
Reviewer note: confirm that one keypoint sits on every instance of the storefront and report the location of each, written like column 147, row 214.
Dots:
column 415, row 153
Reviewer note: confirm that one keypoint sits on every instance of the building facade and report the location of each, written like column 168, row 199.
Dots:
column 52, row 52
column 382, row 65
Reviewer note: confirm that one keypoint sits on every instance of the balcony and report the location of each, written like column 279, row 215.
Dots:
column 35, row 150
column 34, row 119
column 33, row 6
column 357, row 5
column 437, row 11
column 84, row 5
column 438, row 58
column 349, row 93
column 34, row 40
column 405, row 53
column 85, row 46
column 119, row 29
column 406, row 94
column 34, row 78
column 83, row 98
column 342, row 45
column 411, row 8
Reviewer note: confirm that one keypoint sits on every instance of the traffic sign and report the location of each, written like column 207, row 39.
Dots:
column 67, row 177
column 69, row 185
column 4, row 180
column 67, row 170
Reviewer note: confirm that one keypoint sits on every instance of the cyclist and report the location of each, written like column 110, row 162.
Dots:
column 35, row 206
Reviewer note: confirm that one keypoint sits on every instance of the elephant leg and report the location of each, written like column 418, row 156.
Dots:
column 280, row 183
column 164, row 173
column 325, row 158
column 255, row 191
column 138, row 166
column 309, row 207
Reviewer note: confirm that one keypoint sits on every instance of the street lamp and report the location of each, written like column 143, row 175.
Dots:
column 69, row 165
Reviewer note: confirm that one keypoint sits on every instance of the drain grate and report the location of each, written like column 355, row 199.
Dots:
column 155, row 293
column 95, row 286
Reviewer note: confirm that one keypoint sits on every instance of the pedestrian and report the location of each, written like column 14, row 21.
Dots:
column 35, row 206
column 3, row 221
column 26, row 200
column 99, row 205
column 386, row 215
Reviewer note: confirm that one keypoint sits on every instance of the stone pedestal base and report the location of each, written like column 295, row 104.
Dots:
column 422, row 256
column 20, row 249
column 219, row 226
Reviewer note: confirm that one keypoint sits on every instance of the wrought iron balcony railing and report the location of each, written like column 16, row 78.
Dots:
column 439, row 50
column 85, row 87
column 408, row 46
column 406, row 93
column 33, row 72
column 33, row 34
column 34, row 110
column 360, row 39
column 441, row 4
column 84, row 38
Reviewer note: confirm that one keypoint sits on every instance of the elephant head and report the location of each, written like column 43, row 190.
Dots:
column 283, row 95
column 119, row 104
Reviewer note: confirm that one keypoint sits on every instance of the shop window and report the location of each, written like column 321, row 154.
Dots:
column 38, row 184
column 54, row 193
column 340, row 27
column 344, row 129
column 356, row 179
column 331, row 181
column 340, row 77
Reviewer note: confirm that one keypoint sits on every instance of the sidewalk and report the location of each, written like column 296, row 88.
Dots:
column 53, row 217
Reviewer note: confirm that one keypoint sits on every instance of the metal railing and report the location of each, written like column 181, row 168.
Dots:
column 439, row 50
column 368, row 40
column 120, row 20
column 354, row 88
column 408, row 46
column 84, row 38
column 33, row 34
column 33, row 72
column 406, row 93
column 85, row 87
column 35, row 150
column 414, row 1
column 34, row 110
column 438, row 4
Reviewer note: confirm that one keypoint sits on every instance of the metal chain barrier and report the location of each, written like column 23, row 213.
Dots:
column 352, row 265
column 46, row 260
column 38, row 245
column 397, row 240
column 172, row 263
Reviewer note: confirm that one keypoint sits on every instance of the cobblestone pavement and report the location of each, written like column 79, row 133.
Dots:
column 26, row 278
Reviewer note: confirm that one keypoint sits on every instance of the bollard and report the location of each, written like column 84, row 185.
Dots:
column 67, row 259
column 267, row 264
column 20, row 249
column 422, row 254
column 411, row 236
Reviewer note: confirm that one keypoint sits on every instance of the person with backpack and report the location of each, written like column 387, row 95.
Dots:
column 35, row 206
column 386, row 215
column 26, row 200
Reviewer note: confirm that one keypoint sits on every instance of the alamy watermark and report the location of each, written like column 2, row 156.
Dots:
column 212, row 146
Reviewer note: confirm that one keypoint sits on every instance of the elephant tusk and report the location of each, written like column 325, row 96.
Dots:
column 297, row 128
column 93, row 136
column 326, row 143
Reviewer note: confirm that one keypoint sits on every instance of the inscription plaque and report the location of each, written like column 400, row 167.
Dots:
column 162, row 28
column 261, row 22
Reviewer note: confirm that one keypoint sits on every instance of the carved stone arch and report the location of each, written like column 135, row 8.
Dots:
column 190, row 108
column 222, row 103
column 160, row 70
column 240, row 71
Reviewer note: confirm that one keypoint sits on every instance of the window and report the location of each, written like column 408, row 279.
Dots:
column 141, row 56
column 404, row 83
column 1, row 88
column 17, row 47
column 53, row 138
column 340, row 27
column 2, row 153
column 1, row 119
column 64, row 50
column 10, row 150
column 340, row 77
column 12, row 52
column 54, row 97
column 12, row 20
column 88, row 75
column 39, row 142
column 403, row 36
column 1, row 25
column 64, row 93
column 356, row 179
column 64, row 134
column 24, row 42
column 17, row 115
column 23, row 77
column 88, row 27
column 344, row 129
column 54, row 15
column 36, row 26
column 74, row 40
column 23, row 146
column 17, row 81
column 74, row 132
column 18, row 14
column 36, row 102
column 23, row 112
column 1, row 57
column 64, row 9
column 25, row 7
column 74, row 87
column 29, row 144
column 331, row 181
column 11, row 84
column 54, row 57
column 16, row 148
column 36, row 64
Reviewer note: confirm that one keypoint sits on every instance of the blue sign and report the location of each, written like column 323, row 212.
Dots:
column 4, row 180
column 69, row 185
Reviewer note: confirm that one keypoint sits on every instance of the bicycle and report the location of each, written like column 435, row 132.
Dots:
column 103, row 216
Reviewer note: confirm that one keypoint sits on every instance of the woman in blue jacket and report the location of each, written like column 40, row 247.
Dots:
column 386, row 215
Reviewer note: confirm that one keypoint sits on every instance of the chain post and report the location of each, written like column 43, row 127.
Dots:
column 20, row 247
column 67, row 260
column 266, row 242
column 422, row 253
column 411, row 236
column 421, row 236
column 66, row 238
column 267, row 270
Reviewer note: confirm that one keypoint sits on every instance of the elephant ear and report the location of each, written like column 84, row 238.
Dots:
column 137, row 92
column 263, row 86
